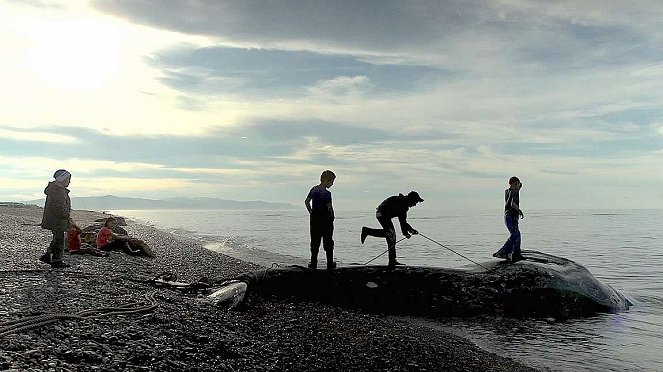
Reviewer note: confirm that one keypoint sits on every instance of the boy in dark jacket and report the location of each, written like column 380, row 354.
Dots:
column 319, row 205
column 56, row 216
column 393, row 206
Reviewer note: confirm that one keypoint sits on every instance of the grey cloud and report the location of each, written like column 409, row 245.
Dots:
column 170, row 150
column 275, row 72
column 452, row 32
column 571, row 46
column 374, row 24
column 217, row 148
column 325, row 132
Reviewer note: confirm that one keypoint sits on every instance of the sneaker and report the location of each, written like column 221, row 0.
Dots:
column 499, row 254
column 46, row 258
column 331, row 265
column 516, row 257
column 364, row 234
column 59, row 265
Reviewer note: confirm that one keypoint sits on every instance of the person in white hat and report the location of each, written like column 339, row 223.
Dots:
column 56, row 217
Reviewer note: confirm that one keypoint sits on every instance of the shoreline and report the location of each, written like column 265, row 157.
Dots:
column 185, row 333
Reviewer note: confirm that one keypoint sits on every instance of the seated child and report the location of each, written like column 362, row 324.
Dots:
column 109, row 241
column 73, row 237
column 75, row 244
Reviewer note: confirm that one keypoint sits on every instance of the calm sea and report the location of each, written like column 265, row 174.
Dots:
column 622, row 248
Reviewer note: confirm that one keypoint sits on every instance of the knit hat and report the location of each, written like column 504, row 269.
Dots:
column 61, row 175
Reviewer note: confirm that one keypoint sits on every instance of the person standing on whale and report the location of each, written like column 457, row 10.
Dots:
column 512, row 212
column 393, row 206
column 319, row 205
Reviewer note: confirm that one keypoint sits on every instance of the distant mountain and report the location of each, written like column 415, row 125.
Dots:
column 111, row 202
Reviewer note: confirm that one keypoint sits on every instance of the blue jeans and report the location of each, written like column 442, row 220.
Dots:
column 513, row 243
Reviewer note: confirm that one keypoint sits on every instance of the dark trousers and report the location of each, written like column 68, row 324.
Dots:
column 388, row 232
column 322, row 229
column 57, row 246
column 513, row 243
column 120, row 245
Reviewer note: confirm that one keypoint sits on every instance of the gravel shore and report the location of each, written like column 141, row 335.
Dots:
column 185, row 333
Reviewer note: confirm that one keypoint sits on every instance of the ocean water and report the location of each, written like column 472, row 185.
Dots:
column 622, row 248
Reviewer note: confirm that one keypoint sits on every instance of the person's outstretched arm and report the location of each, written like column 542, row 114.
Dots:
column 307, row 202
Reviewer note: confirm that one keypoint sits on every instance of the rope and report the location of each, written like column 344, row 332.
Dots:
column 444, row 246
column 166, row 279
column 46, row 319
column 169, row 280
column 376, row 257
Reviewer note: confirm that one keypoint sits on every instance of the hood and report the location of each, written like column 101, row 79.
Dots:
column 54, row 187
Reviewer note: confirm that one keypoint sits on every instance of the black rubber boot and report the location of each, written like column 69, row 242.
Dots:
column 392, row 258
column 314, row 261
column 59, row 265
column 331, row 265
column 46, row 258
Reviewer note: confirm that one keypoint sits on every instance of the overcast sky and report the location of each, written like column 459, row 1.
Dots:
column 252, row 100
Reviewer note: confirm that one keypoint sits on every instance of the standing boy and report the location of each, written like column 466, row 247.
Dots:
column 321, row 219
column 56, row 216
column 393, row 206
column 511, row 248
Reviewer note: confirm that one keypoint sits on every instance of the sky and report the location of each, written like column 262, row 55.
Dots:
column 252, row 100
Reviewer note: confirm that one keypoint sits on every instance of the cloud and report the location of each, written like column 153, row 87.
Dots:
column 41, row 3
column 23, row 135
column 218, row 147
column 268, row 24
column 342, row 87
column 266, row 72
column 552, row 35
column 255, row 98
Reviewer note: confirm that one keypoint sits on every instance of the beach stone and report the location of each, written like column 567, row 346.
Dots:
column 34, row 354
column 5, row 362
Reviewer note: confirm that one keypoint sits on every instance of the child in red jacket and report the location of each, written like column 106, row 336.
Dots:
column 73, row 237
column 107, row 240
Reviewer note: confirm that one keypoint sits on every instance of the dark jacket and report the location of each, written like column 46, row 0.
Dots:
column 396, row 206
column 511, row 196
column 57, row 207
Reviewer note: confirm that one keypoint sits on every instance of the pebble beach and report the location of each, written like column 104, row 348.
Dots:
column 184, row 332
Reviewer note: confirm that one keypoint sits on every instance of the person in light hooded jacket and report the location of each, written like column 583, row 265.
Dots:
column 56, row 217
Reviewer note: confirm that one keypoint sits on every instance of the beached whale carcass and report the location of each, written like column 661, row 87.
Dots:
column 540, row 286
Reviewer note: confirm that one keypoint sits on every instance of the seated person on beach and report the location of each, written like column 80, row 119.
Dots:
column 73, row 237
column 75, row 244
column 109, row 241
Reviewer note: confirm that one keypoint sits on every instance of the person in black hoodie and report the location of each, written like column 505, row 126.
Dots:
column 56, row 217
column 393, row 206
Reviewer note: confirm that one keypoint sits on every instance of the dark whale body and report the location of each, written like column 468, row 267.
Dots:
column 540, row 286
